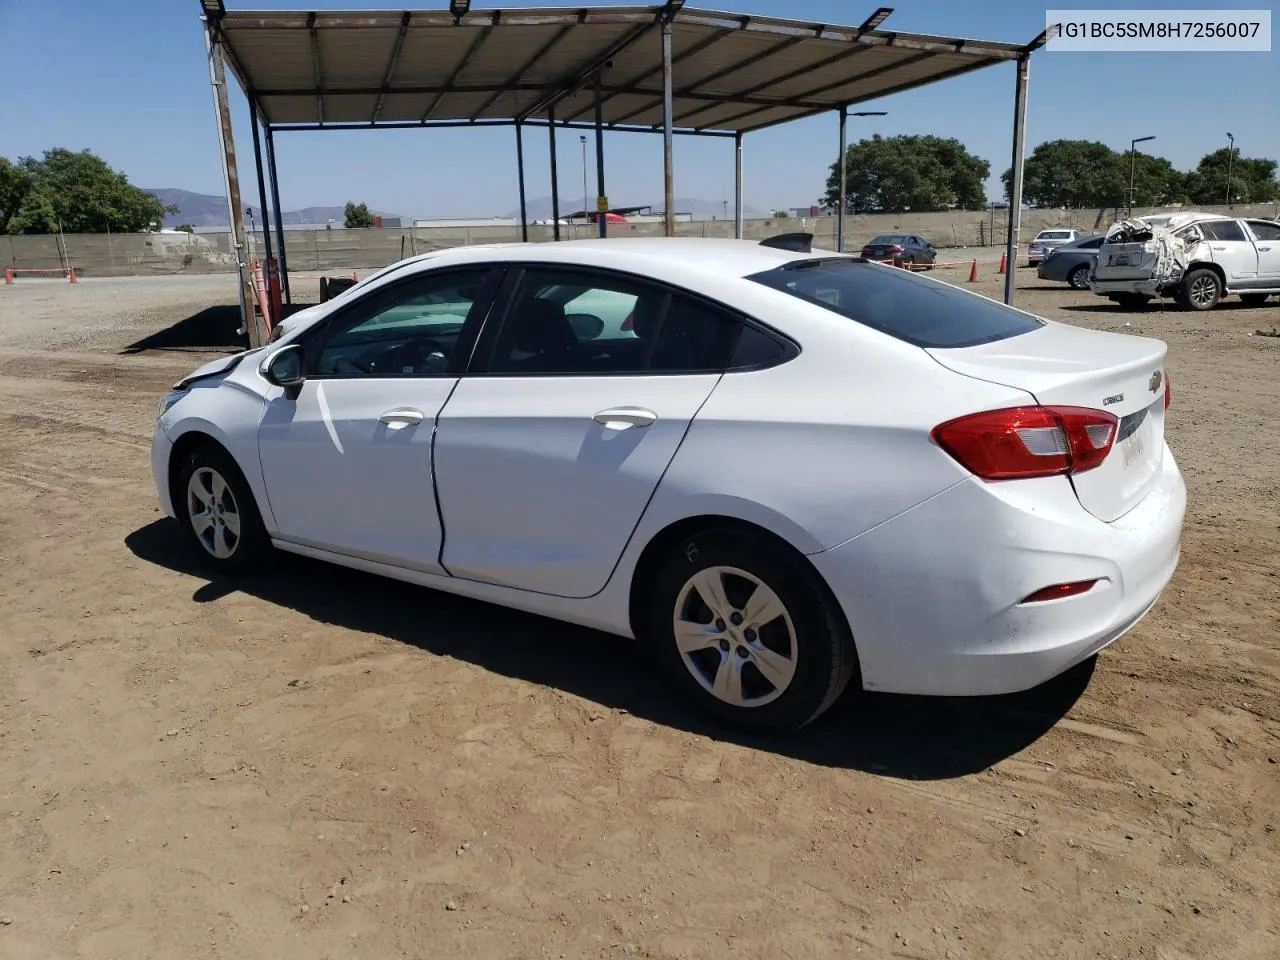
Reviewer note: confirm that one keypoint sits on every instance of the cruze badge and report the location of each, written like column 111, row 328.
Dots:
column 1154, row 383
column 1116, row 398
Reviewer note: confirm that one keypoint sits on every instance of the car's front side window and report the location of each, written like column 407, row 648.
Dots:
column 411, row 329
column 1264, row 230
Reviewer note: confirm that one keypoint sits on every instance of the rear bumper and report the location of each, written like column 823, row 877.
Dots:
column 933, row 596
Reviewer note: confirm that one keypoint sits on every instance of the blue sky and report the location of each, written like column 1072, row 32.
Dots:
column 128, row 81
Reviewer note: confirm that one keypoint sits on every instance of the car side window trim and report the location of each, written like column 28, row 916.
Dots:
column 313, row 340
column 504, row 301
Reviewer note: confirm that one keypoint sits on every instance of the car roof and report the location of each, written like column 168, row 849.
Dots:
column 734, row 258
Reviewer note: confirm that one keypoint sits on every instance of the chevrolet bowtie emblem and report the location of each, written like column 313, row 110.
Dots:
column 1153, row 384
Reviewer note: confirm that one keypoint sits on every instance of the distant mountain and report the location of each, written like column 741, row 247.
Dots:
column 540, row 209
column 207, row 210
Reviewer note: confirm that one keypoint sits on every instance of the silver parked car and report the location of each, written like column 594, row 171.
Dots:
column 1071, row 263
column 1046, row 240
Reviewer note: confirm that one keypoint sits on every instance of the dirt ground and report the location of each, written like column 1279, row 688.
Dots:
column 320, row 764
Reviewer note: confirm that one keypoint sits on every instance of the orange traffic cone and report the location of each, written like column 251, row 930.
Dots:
column 72, row 276
column 973, row 271
column 1004, row 263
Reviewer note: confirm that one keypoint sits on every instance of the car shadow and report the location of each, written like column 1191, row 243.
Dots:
column 213, row 328
column 914, row 738
column 1155, row 306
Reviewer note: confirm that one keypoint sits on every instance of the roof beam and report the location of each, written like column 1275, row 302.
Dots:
column 465, row 62
column 693, row 51
column 524, row 68
column 732, row 68
column 403, row 32
column 415, row 125
column 865, row 75
column 792, row 74
column 317, row 73
column 899, row 88
column 575, row 82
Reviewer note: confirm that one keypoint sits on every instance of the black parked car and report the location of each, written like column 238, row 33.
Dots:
column 1072, row 262
column 910, row 247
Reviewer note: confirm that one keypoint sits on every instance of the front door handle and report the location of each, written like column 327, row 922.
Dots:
column 622, row 418
column 402, row 418
column 1264, row 249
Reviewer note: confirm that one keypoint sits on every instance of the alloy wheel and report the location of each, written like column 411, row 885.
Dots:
column 735, row 636
column 1203, row 290
column 213, row 513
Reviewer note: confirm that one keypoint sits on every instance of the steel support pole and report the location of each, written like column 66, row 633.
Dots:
column 231, row 179
column 524, row 210
column 668, row 177
column 844, row 123
column 1015, row 187
column 275, row 209
column 555, row 175
column 262, row 192
column 737, row 186
column 600, row 190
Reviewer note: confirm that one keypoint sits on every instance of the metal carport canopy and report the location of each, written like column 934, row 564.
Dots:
column 734, row 73
column 659, row 68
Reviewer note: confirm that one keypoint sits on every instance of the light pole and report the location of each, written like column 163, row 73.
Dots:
column 1231, row 152
column 1133, row 160
column 586, row 214
column 844, row 149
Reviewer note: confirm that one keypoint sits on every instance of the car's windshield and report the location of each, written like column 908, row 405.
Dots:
column 1054, row 235
column 920, row 311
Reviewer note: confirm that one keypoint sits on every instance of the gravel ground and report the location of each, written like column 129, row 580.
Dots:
column 317, row 763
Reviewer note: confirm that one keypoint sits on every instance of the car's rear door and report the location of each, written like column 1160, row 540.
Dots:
column 1233, row 251
column 548, row 452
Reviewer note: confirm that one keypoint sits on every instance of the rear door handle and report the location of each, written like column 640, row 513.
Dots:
column 402, row 418
column 1264, row 249
column 622, row 418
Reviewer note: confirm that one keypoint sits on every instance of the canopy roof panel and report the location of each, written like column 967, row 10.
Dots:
column 731, row 73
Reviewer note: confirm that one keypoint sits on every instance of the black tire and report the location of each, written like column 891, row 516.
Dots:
column 324, row 289
column 1130, row 301
column 1201, row 289
column 1078, row 277
column 1253, row 299
column 824, row 658
column 245, row 549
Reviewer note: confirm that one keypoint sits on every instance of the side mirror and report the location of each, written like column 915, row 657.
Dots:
column 284, row 369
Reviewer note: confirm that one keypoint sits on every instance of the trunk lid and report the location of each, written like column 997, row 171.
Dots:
column 1062, row 365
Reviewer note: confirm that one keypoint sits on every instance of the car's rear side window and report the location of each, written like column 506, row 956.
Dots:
column 923, row 312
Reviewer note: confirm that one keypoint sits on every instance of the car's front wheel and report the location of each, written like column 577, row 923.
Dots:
column 1078, row 278
column 747, row 629
column 217, row 510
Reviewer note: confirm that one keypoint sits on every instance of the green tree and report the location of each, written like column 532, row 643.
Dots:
column 357, row 215
column 185, row 228
column 1085, row 173
column 1252, row 180
column 78, row 190
column 909, row 173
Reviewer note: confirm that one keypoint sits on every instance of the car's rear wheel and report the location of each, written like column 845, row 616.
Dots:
column 1253, row 299
column 217, row 510
column 1200, row 290
column 747, row 630
column 1078, row 278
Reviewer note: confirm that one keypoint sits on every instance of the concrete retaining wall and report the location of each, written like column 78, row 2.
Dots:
column 337, row 251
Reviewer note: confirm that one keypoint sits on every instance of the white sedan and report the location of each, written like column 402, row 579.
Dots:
column 781, row 469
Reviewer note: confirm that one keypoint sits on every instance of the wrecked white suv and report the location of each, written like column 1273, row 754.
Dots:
column 1197, row 258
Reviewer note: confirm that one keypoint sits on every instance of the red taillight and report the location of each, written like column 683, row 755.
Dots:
column 897, row 249
column 1023, row 442
column 1168, row 394
column 1060, row 591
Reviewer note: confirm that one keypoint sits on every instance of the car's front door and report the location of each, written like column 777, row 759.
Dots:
column 547, row 456
column 1266, row 238
column 347, row 462
column 1233, row 251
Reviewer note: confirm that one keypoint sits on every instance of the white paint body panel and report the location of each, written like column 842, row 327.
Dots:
column 829, row 451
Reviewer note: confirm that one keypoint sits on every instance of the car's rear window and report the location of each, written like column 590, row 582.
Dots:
column 1054, row 235
column 923, row 312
